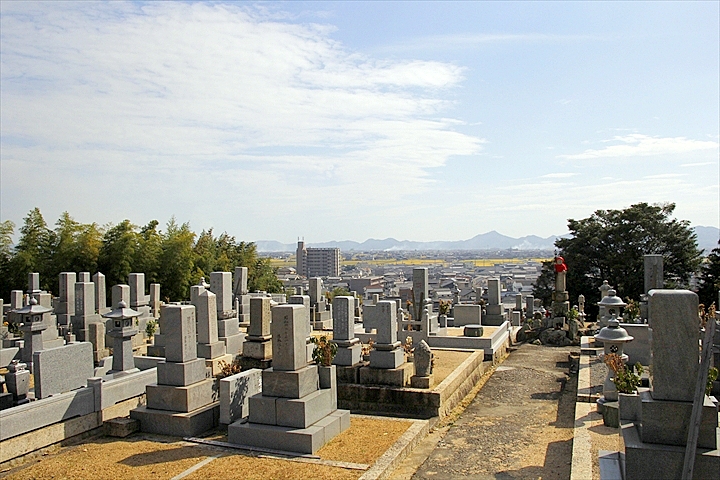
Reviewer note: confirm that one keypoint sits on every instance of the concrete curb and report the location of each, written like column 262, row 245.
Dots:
column 384, row 466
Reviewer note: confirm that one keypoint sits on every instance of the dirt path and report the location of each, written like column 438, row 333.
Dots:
column 520, row 425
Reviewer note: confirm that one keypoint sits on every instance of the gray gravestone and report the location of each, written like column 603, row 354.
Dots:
column 179, row 332
column 653, row 272
column 289, row 332
column 675, row 335
column 62, row 369
column 241, row 280
column 221, row 285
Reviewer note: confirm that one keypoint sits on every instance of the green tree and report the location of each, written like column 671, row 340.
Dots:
column 7, row 229
column 76, row 248
column 610, row 244
column 205, row 255
column 177, row 260
column 263, row 277
column 33, row 252
column 338, row 292
column 147, row 255
column 117, row 254
column 710, row 278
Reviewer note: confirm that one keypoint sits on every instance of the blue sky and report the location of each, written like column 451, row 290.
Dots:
column 351, row 120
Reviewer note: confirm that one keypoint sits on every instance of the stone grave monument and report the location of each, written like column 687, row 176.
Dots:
column 297, row 410
column 184, row 401
column 494, row 308
column 208, row 345
column 257, row 351
column 655, row 445
column 387, row 359
column 227, row 319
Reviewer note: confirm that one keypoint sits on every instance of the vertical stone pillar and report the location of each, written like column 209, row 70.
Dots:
column 288, row 337
column 653, row 272
column 221, row 286
column 349, row 348
column 100, row 293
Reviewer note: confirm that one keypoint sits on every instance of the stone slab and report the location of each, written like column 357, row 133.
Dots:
column 664, row 462
column 177, row 324
column 673, row 318
column 181, row 374
column 178, row 424
column 422, row 382
column 62, row 369
column 667, row 422
column 234, row 344
column 396, row 377
column 235, row 392
column 289, row 330
column 387, row 359
column 303, row 412
column 348, row 356
column 215, row 365
column 182, row 399
column 121, row 427
column 467, row 315
column 258, row 350
column 211, row 350
column 294, row 384
column 262, row 410
column 228, row 327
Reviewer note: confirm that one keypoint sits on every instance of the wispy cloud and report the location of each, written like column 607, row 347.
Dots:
column 465, row 40
column 225, row 100
column 637, row 145
column 698, row 164
column 559, row 175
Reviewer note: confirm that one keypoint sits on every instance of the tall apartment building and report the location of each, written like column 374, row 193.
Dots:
column 317, row 262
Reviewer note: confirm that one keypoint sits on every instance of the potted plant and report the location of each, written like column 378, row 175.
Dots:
column 366, row 347
column 443, row 311
column 323, row 354
column 627, row 380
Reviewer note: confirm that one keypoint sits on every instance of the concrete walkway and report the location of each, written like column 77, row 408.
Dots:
column 520, row 424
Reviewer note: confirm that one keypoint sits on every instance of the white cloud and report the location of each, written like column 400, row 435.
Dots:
column 698, row 164
column 212, row 101
column 637, row 145
column 559, row 175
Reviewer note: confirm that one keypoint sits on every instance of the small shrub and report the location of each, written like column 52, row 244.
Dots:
column 325, row 350
column 228, row 369
column 151, row 328
column 625, row 378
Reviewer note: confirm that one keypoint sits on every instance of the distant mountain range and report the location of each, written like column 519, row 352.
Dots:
column 707, row 240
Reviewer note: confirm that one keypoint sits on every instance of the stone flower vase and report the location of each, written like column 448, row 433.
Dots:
column 327, row 375
column 630, row 406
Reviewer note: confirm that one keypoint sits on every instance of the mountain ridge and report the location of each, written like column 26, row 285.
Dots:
column 707, row 240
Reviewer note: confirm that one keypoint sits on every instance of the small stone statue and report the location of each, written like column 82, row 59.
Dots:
column 423, row 359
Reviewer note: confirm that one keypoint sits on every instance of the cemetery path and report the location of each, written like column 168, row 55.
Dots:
column 519, row 425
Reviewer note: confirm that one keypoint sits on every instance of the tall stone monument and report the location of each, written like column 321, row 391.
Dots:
column 183, row 402
column 297, row 410
column 494, row 308
column 655, row 445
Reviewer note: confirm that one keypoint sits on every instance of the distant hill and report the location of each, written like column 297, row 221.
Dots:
column 486, row 241
column 707, row 240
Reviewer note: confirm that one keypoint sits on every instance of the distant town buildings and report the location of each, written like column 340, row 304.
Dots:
column 317, row 262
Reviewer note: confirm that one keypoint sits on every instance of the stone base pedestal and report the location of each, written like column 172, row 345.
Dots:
column 664, row 462
column 422, row 382
column 214, row 363
column 247, row 363
column 258, row 350
column 302, row 440
column 234, row 344
column 156, row 351
column 323, row 325
column 180, row 424
column 383, row 359
column 350, row 374
column 211, row 350
column 493, row 320
column 395, row 377
column 666, row 422
column 348, row 356
column 182, row 399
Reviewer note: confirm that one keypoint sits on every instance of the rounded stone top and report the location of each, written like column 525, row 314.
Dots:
column 122, row 304
column 33, row 301
column 614, row 333
column 612, row 300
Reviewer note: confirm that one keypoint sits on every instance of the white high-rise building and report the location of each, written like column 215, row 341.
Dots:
column 317, row 262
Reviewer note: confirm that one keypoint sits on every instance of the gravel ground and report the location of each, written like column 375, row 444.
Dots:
column 520, row 424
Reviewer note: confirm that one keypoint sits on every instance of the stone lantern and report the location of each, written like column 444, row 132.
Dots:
column 123, row 320
column 610, row 305
column 32, row 316
column 614, row 337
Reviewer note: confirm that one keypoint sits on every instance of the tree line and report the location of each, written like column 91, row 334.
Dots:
column 175, row 257
column 610, row 244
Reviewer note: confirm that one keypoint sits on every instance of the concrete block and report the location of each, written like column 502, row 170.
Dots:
column 667, row 422
column 211, row 350
column 467, row 314
column 258, row 350
column 421, row 382
column 262, row 409
column 181, row 374
column 395, row 377
column 304, row 440
column 293, row 384
column 228, row 327
column 58, row 370
column 179, row 424
column 182, row 399
column 348, row 355
column 387, row 359
column 328, row 380
column 303, row 412
column 234, row 344
column 121, row 427
column 235, row 392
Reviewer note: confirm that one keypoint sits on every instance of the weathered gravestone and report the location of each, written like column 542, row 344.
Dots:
column 297, row 410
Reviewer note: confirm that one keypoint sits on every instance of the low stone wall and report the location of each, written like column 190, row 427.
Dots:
column 414, row 402
column 45, row 422
column 494, row 345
